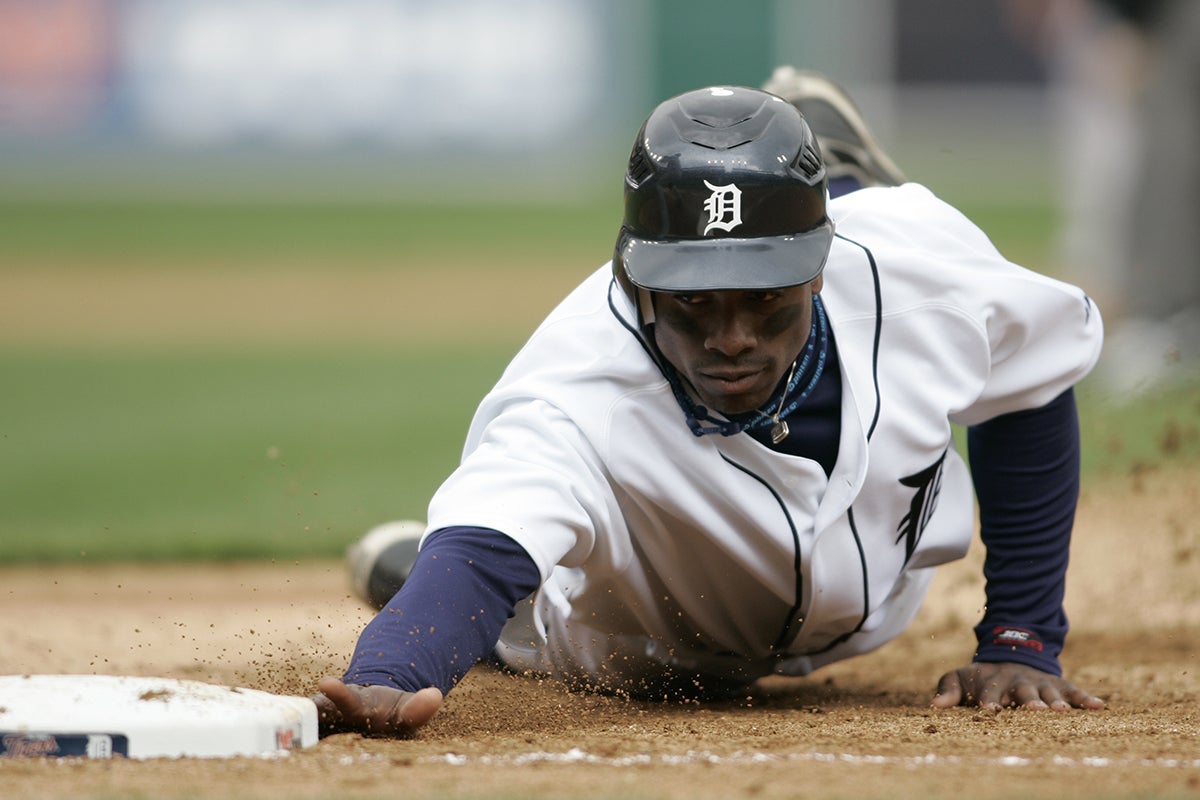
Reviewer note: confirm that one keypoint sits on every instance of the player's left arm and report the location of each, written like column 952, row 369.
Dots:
column 1025, row 467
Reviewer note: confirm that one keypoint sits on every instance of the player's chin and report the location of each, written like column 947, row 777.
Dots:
column 733, row 402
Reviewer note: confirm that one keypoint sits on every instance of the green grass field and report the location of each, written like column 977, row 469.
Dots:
column 196, row 446
column 181, row 234
column 268, row 454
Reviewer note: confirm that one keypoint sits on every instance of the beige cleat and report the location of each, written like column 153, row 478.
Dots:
column 847, row 144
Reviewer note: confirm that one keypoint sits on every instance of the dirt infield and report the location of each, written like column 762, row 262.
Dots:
column 858, row 730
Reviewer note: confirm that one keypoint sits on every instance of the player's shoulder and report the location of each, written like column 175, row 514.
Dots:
column 905, row 198
column 910, row 203
column 908, row 216
column 595, row 325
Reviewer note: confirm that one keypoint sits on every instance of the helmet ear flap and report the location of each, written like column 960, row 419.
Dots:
column 618, row 266
column 640, row 297
column 645, row 307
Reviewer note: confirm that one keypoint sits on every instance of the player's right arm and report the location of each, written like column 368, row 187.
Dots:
column 448, row 615
column 373, row 710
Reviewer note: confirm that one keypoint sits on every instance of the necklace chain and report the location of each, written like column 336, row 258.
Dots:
column 816, row 345
column 779, row 429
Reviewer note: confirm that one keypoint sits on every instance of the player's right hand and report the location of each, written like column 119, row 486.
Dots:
column 373, row 710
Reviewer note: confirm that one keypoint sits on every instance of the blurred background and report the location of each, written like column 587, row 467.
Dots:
column 530, row 99
column 259, row 259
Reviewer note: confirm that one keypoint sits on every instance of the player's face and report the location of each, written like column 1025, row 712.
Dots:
column 734, row 346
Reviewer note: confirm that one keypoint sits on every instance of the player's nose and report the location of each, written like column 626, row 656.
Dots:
column 731, row 333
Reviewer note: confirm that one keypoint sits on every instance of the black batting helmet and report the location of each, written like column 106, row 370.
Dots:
column 725, row 189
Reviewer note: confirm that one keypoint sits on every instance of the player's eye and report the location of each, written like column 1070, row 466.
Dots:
column 686, row 299
column 765, row 296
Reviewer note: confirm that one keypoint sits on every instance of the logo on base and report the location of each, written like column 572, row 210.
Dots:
column 63, row 745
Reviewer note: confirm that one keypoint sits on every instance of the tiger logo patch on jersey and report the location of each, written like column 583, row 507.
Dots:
column 928, row 485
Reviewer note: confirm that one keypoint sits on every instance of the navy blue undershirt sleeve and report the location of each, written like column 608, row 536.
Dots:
column 448, row 614
column 1025, row 466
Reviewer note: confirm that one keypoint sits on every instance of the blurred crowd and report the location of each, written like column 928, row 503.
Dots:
column 1126, row 79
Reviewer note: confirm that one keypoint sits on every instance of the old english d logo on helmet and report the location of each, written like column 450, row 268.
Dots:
column 725, row 189
column 724, row 207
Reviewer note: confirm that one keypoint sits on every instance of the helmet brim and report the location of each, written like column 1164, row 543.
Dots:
column 707, row 265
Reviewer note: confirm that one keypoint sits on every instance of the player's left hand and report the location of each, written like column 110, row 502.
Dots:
column 1009, row 685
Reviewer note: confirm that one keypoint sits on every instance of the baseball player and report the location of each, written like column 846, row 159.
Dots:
column 728, row 453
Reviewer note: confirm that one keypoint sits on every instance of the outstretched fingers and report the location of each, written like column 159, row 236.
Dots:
column 949, row 692
column 421, row 707
column 1078, row 698
column 373, row 710
column 1010, row 685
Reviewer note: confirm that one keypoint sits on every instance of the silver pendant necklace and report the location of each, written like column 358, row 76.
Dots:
column 779, row 428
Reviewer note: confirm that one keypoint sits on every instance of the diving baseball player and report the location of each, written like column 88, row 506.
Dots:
column 728, row 453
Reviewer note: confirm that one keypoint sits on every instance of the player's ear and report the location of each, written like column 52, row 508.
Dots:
column 816, row 283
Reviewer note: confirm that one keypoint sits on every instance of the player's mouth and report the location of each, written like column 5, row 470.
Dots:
column 733, row 391
column 733, row 381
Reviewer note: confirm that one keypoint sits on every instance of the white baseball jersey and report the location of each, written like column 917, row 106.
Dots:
column 718, row 554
